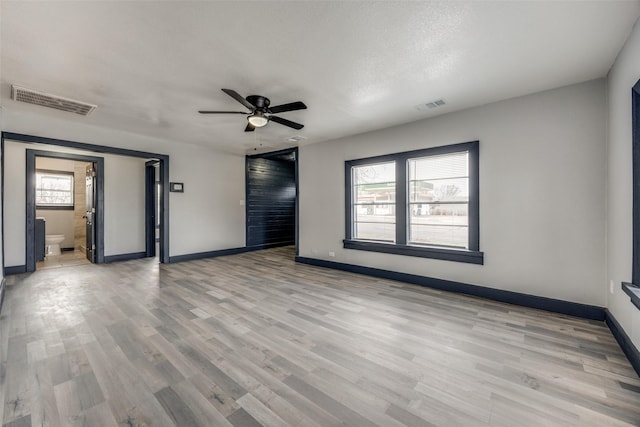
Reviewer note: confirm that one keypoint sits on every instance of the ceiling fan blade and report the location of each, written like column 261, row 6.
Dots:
column 235, row 95
column 249, row 128
column 221, row 112
column 286, row 122
column 288, row 107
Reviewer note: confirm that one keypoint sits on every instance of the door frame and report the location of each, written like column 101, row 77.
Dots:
column 635, row 152
column 97, row 149
column 271, row 155
column 150, row 207
column 31, row 156
column 90, row 229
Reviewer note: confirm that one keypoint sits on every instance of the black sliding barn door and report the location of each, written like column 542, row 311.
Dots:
column 271, row 201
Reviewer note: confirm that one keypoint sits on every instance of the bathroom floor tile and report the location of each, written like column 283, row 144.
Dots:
column 66, row 259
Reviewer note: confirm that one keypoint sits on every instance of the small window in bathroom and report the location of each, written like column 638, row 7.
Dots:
column 54, row 189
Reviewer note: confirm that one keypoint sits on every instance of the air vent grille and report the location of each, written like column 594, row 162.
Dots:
column 52, row 101
column 430, row 105
column 296, row 138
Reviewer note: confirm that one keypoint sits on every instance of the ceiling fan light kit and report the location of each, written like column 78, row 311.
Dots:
column 257, row 120
column 260, row 113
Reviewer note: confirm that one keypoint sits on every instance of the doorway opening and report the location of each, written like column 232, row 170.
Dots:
column 65, row 209
column 21, row 261
column 153, row 194
column 272, row 199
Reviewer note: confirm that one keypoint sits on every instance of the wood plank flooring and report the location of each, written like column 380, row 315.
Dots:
column 258, row 340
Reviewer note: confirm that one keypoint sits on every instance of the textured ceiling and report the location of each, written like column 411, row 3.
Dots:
column 359, row 66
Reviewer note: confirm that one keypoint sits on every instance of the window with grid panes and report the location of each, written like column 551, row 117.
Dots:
column 419, row 203
column 54, row 189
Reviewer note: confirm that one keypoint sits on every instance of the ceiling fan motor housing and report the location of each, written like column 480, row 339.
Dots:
column 260, row 102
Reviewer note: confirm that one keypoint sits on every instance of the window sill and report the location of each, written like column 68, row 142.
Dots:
column 447, row 254
column 634, row 293
column 55, row 208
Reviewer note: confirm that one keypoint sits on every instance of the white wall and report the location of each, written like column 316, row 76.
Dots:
column 14, row 205
column 124, row 205
column 542, row 174
column 207, row 216
column 622, row 77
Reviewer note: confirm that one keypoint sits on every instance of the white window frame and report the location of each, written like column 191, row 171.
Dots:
column 55, row 206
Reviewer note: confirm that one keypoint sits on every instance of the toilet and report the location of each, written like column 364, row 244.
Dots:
column 52, row 241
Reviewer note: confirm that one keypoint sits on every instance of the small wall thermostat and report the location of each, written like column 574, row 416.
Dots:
column 176, row 187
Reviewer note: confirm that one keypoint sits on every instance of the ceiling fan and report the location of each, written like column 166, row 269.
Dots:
column 261, row 113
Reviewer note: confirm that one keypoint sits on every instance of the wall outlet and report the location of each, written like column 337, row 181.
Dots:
column 241, row 202
column 611, row 287
column 332, row 254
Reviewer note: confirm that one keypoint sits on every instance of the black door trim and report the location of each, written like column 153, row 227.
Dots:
column 150, row 207
column 31, row 201
column 274, row 154
column 635, row 152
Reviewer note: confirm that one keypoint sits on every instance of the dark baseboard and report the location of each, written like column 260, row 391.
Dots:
column 549, row 304
column 270, row 245
column 209, row 254
column 223, row 252
column 16, row 269
column 3, row 286
column 124, row 257
column 624, row 341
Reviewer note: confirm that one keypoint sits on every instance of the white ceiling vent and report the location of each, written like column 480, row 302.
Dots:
column 296, row 138
column 52, row 101
column 430, row 105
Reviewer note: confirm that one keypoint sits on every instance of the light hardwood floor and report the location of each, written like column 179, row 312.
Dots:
column 255, row 339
